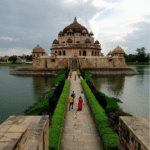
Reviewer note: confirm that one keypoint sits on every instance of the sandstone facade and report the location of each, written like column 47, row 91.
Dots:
column 75, row 48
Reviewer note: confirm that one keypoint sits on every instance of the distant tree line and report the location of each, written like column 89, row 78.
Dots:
column 140, row 57
column 14, row 58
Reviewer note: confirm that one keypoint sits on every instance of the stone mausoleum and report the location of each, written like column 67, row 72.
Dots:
column 75, row 48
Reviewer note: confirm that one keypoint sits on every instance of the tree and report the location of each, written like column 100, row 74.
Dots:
column 13, row 58
column 29, row 58
column 141, row 54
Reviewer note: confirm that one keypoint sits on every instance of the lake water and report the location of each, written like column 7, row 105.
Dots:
column 19, row 92
column 133, row 90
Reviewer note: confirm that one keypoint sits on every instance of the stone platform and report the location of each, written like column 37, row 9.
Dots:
column 25, row 133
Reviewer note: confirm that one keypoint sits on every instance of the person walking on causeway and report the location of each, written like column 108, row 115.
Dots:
column 80, row 104
column 73, row 95
column 82, row 95
column 75, row 77
column 70, row 102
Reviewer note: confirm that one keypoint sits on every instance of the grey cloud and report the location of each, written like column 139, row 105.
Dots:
column 38, row 22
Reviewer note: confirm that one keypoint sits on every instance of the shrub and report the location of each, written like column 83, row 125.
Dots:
column 109, row 139
column 55, row 130
column 61, row 75
column 70, row 71
column 79, row 73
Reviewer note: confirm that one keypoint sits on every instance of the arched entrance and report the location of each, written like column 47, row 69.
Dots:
column 74, row 64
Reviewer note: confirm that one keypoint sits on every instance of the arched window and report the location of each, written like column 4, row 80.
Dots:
column 37, row 55
column 64, row 53
column 55, row 53
column 87, row 41
column 92, row 53
column 59, row 52
column 69, row 41
column 34, row 55
column 84, row 53
column 95, row 53
column 79, row 53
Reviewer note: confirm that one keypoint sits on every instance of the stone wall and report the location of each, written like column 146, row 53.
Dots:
column 133, row 133
column 85, row 62
column 101, row 62
column 25, row 133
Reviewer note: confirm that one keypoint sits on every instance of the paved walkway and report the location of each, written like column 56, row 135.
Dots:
column 79, row 131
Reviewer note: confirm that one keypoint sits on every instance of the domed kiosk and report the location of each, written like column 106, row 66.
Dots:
column 75, row 48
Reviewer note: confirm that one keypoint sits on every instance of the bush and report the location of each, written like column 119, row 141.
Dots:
column 79, row 73
column 109, row 139
column 58, row 118
column 41, row 105
column 61, row 75
column 70, row 71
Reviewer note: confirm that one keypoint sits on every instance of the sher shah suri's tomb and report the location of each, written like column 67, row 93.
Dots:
column 76, row 49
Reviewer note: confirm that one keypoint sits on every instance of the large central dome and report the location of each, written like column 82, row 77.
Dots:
column 75, row 27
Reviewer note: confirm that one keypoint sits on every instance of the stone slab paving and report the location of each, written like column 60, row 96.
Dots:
column 79, row 131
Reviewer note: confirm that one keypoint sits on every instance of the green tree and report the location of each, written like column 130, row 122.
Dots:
column 141, row 56
column 13, row 58
column 29, row 58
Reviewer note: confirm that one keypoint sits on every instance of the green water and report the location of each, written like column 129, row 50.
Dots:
column 133, row 90
column 19, row 92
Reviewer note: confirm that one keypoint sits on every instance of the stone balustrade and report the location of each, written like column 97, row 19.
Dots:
column 25, row 133
column 134, row 133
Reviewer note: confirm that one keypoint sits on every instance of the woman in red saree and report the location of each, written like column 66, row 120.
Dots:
column 80, row 103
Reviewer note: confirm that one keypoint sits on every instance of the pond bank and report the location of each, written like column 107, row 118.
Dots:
column 111, row 71
column 33, row 71
column 97, row 71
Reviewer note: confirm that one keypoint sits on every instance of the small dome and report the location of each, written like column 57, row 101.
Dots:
column 118, row 50
column 109, row 53
column 96, row 42
column 38, row 48
column 91, row 33
column 55, row 42
column 84, row 31
column 60, row 32
column 87, row 41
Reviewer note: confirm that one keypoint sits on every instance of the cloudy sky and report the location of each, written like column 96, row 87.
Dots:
column 27, row 23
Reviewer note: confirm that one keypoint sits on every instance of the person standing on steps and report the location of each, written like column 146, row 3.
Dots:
column 70, row 102
column 73, row 94
column 80, row 104
column 82, row 95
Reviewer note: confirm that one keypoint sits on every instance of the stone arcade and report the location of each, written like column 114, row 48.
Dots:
column 76, row 49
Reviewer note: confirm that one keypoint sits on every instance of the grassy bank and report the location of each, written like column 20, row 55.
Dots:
column 41, row 105
column 17, row 64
